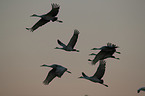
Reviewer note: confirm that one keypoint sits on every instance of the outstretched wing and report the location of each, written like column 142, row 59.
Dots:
column 60, row 71
column 51, row 75
column 74, row 38
column 61, row 44
column 100, row 70
column 99, row 56
column 54, row 11
column 39, row 24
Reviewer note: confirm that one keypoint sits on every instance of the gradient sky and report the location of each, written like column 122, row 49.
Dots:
column 121, row 22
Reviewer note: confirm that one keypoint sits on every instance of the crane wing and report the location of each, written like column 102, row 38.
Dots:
column 39, row 24
column 51, row 75
column 100, row 70
column 73, row 40
column 54, row 11
column 109, row 50
column 60, row 71
column 61, row 44
column 99, row 56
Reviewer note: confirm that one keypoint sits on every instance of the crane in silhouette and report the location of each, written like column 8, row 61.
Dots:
column 71, row 44
column 106, row 52
column 57, row 71
column 97, row 77
column 50, row 16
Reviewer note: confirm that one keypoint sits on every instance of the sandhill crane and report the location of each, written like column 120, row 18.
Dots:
column 106, row 52
column 98, row 75
column 109, row 47
column 57, row 71
column 71, row 44
column 141, row 89
column 50, row 16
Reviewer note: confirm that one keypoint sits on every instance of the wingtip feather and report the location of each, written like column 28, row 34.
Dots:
column 112, row 45
column 54, row 5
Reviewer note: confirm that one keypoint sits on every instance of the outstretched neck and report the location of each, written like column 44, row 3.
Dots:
column 58, row 48
column 96, row 49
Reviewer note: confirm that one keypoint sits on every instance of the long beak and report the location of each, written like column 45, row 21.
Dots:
column 95, row 49
column 44, row 65
column 93, row 54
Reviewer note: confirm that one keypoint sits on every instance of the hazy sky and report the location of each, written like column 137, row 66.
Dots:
column 121, row 22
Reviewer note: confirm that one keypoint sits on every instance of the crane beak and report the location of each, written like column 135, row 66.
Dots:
column 96, row 49
column 44, row 65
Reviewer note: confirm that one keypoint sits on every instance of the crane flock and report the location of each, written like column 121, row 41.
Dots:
column 58, row 70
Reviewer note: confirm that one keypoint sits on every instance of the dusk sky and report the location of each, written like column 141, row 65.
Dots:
column 121, row 22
